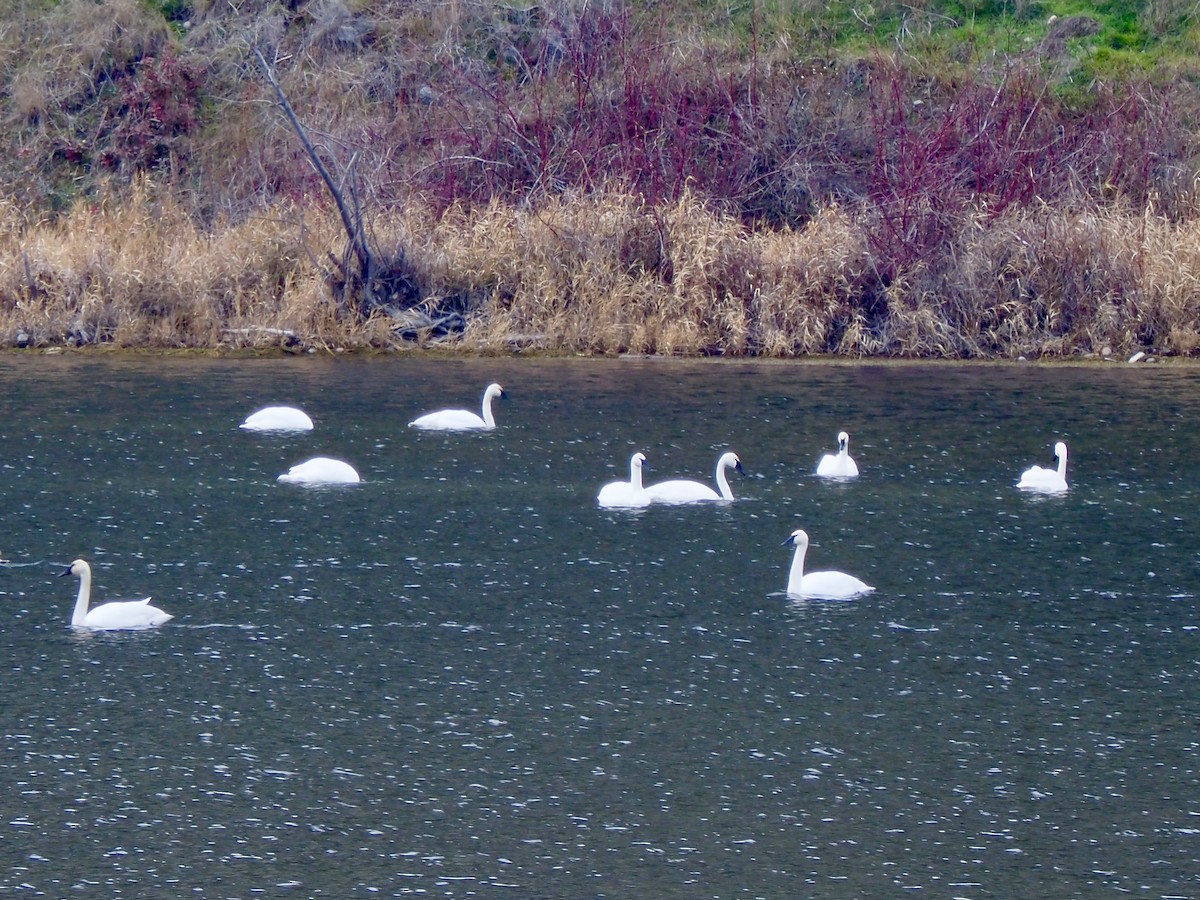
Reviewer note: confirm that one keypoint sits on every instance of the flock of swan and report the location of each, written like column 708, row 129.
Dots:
column 631, row 494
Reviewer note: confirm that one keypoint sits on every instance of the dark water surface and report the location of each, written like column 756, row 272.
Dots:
column 462, row 678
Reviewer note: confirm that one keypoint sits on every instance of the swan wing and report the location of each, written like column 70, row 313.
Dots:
column 832, row 586
column 1036, row 478
column 449, row 420
column 834, row 466
column 681, row 491
column 321, row 470
column 278, row 418
column 621, row 495
column 122, row 614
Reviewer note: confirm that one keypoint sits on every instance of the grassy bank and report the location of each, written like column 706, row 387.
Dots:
column 936, row 179
column 605, row 274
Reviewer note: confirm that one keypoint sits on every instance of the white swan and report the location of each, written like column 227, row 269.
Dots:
column 1047, row 481
column 278, row 418
column 684, row 491
column 626, row 494
column 461, row 419
column 819, row 585
column 841, row 464
column 117, row 614
column 321, row 470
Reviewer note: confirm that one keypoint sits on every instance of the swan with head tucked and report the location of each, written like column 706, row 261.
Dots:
column 684, row 491
column 462, row 419
column 114, row 615
column 321, row 470
column 278, row 418
column 1047, row 481
column 626, row 494
column 841, row 464
column 819, row 585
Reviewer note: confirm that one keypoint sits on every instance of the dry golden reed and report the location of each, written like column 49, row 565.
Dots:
column 602, row 274
column 141, row 273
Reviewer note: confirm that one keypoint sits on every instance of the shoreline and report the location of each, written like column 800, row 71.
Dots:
column 450, row 355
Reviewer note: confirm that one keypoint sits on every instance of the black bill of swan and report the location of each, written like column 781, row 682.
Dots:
column 680, row 491
column 829, row 585
column 462, row 419
column 114, row 615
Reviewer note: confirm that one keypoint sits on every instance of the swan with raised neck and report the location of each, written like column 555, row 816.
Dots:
column 1047, row 481
column 462, row 419
column 683, row 490
column 840, row 464
column 626, row 494
column 114, row 615
column 826, row 585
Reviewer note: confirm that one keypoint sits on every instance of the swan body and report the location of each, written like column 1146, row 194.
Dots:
column 112, row 616
column 462, row 419
column 626, row 494
column 278, row 418
column 684, row 491
column 840, row 464
column 819, row 585
column 1047, row 481
column 321, row 470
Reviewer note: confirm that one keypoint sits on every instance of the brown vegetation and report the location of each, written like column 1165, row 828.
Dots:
column 576, row 177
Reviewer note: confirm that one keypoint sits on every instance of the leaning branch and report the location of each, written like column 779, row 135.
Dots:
column 351, row 222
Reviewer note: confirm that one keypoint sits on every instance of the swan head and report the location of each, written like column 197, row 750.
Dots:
column 1060, row 451
column 494, row 390
column 78, row 568
column 799, row 537
column 843, row 440
column 731, row 460
column 637, row 460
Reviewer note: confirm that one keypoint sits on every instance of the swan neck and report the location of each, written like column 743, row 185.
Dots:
column 796, row 575
column 84, row 599
column 488, row 418
column 1062, row 466
column 635, row 476
column 723, row 483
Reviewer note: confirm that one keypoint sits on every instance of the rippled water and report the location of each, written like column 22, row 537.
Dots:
column 463, row 678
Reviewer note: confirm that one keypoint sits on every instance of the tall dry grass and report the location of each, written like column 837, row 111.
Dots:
column 606, row 273
column 142, row 273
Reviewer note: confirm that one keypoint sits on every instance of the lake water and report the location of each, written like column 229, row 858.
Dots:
column 462, row 678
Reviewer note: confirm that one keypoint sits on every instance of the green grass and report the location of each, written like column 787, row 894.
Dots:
column 1133, row 38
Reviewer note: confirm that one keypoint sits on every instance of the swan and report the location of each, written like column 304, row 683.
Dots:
column 841, row 464
column 626, row 494
column 461, row 419
column 117, row 614
column 1047, row 481
column 321, row 470
column 278, row 418
column 819, row 585
column 683, row 491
